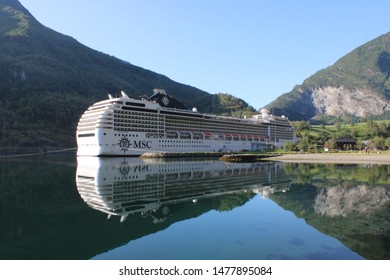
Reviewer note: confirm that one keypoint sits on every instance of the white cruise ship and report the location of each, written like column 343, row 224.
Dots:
column 128, row 126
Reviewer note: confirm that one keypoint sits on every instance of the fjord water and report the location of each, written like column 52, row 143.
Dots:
column 63, row 207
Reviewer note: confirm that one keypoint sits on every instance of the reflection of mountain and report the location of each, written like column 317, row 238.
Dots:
column 342, row 203
column 127, row 186
column 360, row 200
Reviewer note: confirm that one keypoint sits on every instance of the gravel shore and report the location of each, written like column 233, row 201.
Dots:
column 336, row 158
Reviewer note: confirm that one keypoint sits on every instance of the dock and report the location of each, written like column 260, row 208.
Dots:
column 246, row 157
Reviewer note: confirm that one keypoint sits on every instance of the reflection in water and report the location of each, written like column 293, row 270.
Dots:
column 124, row 186
column 182, row 208
column 360, row 200
column 348, row 202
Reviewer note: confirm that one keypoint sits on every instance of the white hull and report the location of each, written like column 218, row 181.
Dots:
column 125, row 144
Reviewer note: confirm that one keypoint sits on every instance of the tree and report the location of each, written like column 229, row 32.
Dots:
column 387, row 143
column 322, row 137
column 338, row 127
column 384, row 129
column 359, row 145
column 300, row 127
column 303, row 144
column 372, row 129
column 331, row 144
column 289, row 146
column 378, row 143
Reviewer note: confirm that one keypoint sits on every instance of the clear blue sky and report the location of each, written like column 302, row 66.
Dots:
column 254, row 50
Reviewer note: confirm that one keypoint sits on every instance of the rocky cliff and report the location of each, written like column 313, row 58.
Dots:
column 358, row 85
column 336, row 101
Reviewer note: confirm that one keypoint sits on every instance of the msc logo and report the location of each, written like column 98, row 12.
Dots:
column 125, row 144
column 142, row 144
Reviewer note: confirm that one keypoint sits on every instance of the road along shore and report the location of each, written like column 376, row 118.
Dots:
column 357, row 158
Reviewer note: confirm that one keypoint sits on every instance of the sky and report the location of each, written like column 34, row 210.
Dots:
column 255, row 50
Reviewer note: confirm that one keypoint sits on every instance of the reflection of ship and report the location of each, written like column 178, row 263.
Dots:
column 123, row 186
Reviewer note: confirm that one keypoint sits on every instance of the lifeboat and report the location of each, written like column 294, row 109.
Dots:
column 207, row 134
column 198, row 135
column 172, row 134
column 185, row 135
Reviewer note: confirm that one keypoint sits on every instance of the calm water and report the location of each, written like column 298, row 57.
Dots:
column 61, row 207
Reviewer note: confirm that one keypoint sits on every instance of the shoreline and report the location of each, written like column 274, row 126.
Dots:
column 342, row 158
column 335, row 158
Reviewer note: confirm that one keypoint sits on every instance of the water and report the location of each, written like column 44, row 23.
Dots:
column 61, row 207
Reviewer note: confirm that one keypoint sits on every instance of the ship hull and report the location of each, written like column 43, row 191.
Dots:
column 125, row 144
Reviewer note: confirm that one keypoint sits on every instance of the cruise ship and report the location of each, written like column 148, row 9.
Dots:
column 124, row 126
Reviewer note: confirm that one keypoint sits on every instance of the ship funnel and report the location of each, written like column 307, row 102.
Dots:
column 124, row 94
column 159, row 90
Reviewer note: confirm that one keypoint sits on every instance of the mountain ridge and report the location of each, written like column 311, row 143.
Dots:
column 38, row 41
column 357, row 85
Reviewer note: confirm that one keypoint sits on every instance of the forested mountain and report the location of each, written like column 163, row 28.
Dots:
column 357, row 85
column 48, row 79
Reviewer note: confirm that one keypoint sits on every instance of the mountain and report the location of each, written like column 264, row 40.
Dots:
column 48, row 79
column 357, row 85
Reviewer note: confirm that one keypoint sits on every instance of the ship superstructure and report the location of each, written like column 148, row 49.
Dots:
column 128, row 126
